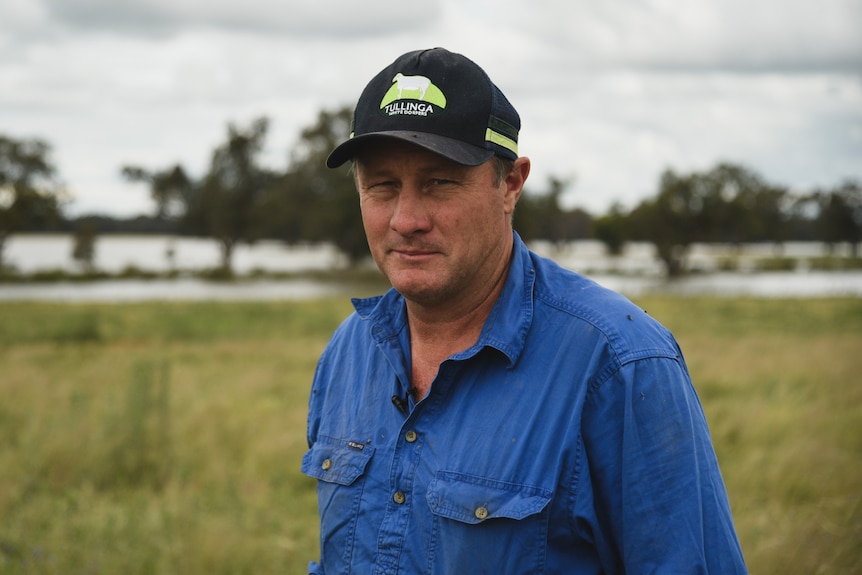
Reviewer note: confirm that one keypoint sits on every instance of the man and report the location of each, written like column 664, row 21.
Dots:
column 493, row 412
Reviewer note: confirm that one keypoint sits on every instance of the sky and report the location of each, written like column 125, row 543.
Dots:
column 610, row 93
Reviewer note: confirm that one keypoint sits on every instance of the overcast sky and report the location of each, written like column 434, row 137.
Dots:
column 610, row 93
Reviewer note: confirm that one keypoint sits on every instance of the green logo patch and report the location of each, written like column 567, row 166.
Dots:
column 413, row 96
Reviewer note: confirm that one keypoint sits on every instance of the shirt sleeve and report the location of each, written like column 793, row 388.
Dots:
column 659, row 499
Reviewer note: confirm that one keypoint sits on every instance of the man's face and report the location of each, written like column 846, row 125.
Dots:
column 438, row 230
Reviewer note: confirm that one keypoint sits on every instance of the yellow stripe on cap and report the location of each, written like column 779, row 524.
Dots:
column 501, row 140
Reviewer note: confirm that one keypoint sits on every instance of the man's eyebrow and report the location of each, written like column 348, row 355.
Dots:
column 443, row 166
column 425, row 170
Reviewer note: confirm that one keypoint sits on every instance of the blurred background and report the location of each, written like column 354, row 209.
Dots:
column 702, row 157
column 712, row 123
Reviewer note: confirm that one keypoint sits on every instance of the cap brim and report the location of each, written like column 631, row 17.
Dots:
column 455, row 150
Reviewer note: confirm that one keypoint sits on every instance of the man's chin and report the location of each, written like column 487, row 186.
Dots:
column 416, row 286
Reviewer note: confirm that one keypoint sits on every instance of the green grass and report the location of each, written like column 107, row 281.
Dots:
column 166, row 437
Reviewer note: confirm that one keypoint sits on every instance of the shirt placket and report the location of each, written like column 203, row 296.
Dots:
column 417, row 427
column 392, row 533
column 394, row 528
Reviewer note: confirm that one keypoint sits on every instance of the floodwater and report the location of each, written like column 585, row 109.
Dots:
column 635, row 273
column 113, row 254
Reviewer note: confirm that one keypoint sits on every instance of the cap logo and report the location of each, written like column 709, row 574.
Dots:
column 412, row 96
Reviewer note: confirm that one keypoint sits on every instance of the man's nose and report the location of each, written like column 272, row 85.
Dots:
column 411, row 214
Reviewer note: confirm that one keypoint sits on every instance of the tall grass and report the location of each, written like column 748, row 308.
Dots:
column 781, row 382
column 166, row 437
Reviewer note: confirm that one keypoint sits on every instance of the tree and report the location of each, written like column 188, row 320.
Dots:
column 726, row 204
column 322, row 202
column 171, row 189
column 84, row 248
column 610, row 229
column 840, row 216
column 669, row 221
column 539, row 214
column 741, row 207
column 228, row 203
column 29, row 194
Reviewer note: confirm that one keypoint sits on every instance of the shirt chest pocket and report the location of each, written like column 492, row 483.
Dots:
column 507, row 520
column 338, row 461
column 339, row 465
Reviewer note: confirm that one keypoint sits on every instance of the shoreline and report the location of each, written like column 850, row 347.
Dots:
column 307, row 286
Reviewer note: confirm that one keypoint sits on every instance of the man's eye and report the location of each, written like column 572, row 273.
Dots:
column 380, row 191
column 379, row 186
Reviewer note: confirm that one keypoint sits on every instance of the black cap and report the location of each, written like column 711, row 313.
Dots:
column 440, row 101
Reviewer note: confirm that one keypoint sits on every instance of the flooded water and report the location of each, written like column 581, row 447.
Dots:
column 635, row 273
column 185, row 289
column 113, row 254
column 798, row 284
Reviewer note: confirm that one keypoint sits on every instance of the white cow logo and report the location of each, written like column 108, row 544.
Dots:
column 412, row 83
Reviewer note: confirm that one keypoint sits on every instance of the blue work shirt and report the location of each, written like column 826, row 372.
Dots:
column 568, row 439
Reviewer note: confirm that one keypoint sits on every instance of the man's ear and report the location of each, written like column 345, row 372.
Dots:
column 514, row 183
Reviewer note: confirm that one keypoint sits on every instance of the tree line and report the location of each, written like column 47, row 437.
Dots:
column 239, row 200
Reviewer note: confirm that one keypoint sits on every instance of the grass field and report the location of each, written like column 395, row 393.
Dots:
column 166, row 437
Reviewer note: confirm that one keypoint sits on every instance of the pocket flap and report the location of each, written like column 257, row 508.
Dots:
column 338, row 461
column 472, row 499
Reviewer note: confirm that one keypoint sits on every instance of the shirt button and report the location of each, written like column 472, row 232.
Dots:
column 399, row 498
column 327, row 463
column 481, row 513
column 411, row 436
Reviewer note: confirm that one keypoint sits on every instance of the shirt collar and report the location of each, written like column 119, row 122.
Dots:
column 506, row 327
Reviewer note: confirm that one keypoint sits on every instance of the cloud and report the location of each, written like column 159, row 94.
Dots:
column 620, row 129
column 610, row 92
column 702, row 34
column 334, row 18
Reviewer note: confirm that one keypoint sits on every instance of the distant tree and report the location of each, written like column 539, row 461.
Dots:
column 670, row 220
column 228, row 203
column 739, row 206
column 321, row 202
column 171, row 189
column 576, row 224
column 84, row 248
column 610, row 229
column 30, row 197
column 802, row 212
column 539, row 215
column 840, row 215
column 726, row 204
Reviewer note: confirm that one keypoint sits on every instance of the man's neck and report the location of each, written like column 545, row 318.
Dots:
column 437, row 332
